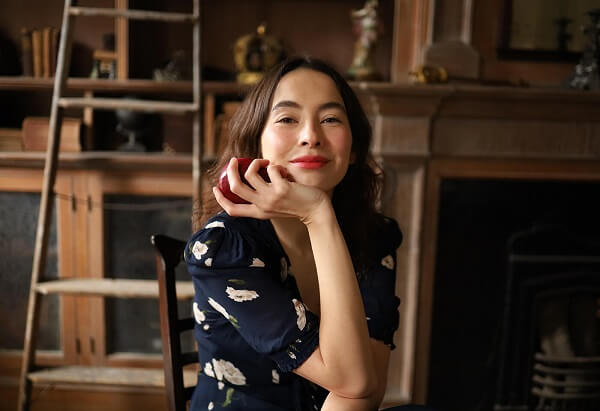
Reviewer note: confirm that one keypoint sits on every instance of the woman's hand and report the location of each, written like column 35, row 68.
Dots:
column 279, row 198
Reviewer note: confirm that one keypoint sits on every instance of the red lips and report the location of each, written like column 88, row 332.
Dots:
column 310, row 162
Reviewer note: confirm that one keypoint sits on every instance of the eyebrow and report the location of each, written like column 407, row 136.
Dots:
column 293, row 104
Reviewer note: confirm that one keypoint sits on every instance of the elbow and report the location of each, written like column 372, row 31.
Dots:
column 358, row 387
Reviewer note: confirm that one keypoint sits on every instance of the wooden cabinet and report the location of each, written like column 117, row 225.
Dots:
column 105, row 211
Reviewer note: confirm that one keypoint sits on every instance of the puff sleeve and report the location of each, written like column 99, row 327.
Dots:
column 378, row 284
column 237, row 277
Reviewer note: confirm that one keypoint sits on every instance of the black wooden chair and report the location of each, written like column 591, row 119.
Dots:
column 169, row 253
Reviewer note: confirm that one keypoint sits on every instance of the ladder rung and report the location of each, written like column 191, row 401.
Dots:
column 128, row 104
column 108, row 287
column 133, row 14
column 138, row 377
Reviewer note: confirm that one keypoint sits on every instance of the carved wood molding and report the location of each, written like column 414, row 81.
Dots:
column 492, row 122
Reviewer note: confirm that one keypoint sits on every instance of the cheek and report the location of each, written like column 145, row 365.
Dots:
column 341, row 141
column 273, row 144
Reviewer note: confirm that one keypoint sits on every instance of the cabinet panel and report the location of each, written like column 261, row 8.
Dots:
column 18, row 219
column 133, row 325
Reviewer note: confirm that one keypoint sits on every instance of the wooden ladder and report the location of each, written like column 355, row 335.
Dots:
column 30, row 374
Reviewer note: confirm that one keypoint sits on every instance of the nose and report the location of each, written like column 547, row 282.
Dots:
column 310, row 135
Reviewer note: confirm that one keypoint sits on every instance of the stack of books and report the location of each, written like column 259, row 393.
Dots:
column 10, row 139
column 39, row 48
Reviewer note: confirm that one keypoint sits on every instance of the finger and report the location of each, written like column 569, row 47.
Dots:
column 241, row 210
column 277, row 173
column 233, row 209
column 236, row 185
column 252, row 174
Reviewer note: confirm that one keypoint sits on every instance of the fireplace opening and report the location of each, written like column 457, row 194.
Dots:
column 517, row 286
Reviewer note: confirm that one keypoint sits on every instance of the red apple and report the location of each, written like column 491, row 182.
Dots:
column 243, row 164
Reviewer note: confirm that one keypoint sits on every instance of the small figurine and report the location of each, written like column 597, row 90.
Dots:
column 254, row 54
column 586, row 75
column 367, row 27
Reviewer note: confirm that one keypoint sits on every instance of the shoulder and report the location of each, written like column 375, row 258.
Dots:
column 229, row 241
column 388, row 234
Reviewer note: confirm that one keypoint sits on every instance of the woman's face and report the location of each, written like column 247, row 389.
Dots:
column 307, row 130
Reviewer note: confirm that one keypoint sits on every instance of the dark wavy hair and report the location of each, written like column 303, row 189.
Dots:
column 354, row 198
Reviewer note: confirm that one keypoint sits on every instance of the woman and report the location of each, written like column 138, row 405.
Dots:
column 295, row 304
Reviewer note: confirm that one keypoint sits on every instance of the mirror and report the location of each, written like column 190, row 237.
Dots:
column 544, row 29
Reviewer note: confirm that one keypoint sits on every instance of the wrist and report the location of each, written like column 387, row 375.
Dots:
column 321, row 213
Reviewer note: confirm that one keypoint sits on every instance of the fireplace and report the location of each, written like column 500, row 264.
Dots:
column 516, row 261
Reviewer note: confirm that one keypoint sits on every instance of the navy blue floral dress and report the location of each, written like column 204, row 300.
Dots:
column 252, row 328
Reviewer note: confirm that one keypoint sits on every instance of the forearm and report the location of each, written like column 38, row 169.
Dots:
column 343, row 335
column 334, row 402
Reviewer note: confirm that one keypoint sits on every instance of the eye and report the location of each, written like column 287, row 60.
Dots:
column 331, row 120
column 286, row 120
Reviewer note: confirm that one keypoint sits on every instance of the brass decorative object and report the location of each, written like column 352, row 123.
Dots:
column 256, row 53
column 429, row 75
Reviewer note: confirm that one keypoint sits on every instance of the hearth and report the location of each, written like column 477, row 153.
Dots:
column 516, row 261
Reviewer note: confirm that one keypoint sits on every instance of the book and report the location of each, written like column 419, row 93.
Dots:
column 53, row 49
column 46, row 46
column 10, row 139
column 26, row 52
column 35, row 134
column 36, row 43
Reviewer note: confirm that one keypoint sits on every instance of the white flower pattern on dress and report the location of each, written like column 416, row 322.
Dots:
column 215, row 224
column 208, row 262
column 388, row 262
column 292, row 355
column 199, row 249
column 257, row 262
column 228, row 371
column 275, row 376
column 198, row 315
column 206, row 327
column 208, row 370
column 218, row 307
column 301, row 313
column 211, row 405
column 241, row 295
column 220, row 385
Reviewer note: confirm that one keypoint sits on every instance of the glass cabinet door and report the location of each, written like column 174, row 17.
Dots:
column 19, row 216
column 133, row 325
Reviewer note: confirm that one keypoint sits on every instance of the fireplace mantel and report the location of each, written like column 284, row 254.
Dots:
column 423, row 134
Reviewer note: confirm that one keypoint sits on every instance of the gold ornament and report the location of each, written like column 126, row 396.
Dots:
column 254, row 54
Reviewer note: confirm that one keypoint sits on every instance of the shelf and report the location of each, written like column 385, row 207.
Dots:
column 133, row 14
column 139, row 86
column 113, row 160
column 128, row 104
column 107, row 287
column 115, row 376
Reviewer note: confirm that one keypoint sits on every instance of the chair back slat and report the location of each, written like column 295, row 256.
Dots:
column 169, row 253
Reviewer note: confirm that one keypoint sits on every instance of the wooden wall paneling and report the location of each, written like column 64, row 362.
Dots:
column 67, row 252
column 403, row 200
column 451, row 47
column 81, row 229
column 412, row 33
column 95, row 221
